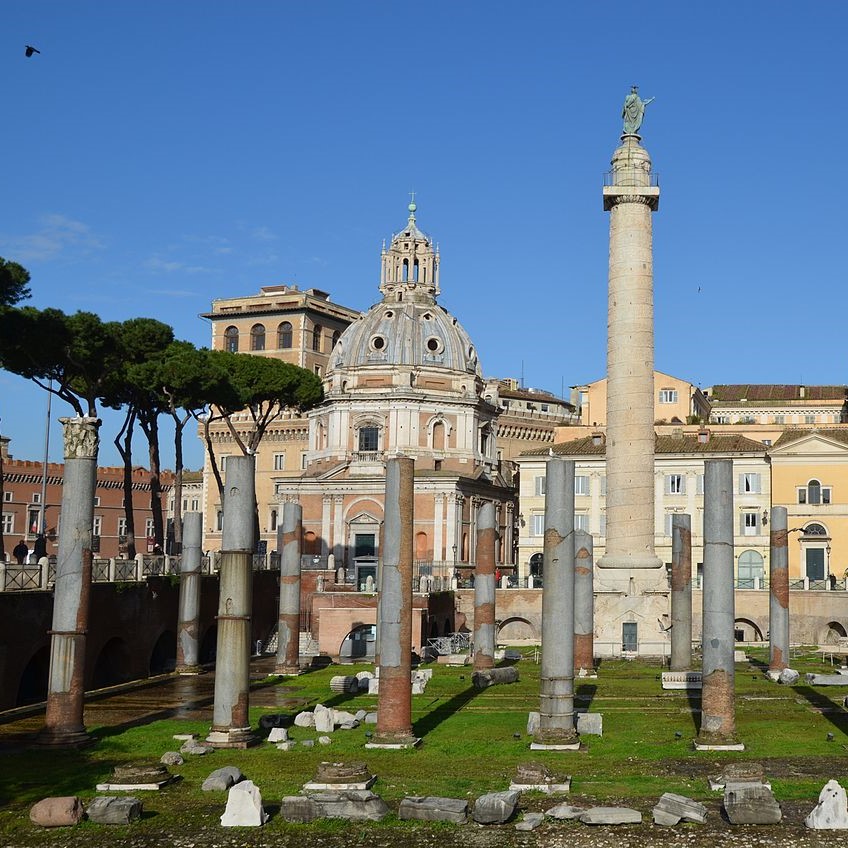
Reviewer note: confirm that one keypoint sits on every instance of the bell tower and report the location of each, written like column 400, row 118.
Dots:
column 410, row 266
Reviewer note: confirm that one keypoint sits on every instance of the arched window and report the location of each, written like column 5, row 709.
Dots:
column 750, row 569
column 257, row 337
column 284, row 336
column 415, row 270
column 405, row 276
column 537, row 565
column 231, row 339
column 335, row 340
column 814, row 492
column 815, row 530
column 316, row 337
column 421, row 550
column 438, row 436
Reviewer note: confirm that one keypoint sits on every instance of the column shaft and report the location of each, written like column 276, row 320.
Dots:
column 63, row 722
column 718, row 719
column 584, row 601
column 779, row 590
column 394, row 704
column 289, row 536
column 556, row 685
column 189, row 614
column 484, row 590
column 681, row 592
column 230, row 721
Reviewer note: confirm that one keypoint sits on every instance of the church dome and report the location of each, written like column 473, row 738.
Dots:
column 406, row 333
column 408, row 328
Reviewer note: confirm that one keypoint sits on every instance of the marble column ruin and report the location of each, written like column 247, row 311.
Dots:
column 64, row 726
column 718, row 711
column 484, row 590
column 557, row 728
column 230, row 721
column 289, row 536
column 778, row 591
column 394, row 624
column 681, row 593
column 188, row 626
column 584, row 602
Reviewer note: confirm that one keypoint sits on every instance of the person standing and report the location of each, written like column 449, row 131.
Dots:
column 20, row 552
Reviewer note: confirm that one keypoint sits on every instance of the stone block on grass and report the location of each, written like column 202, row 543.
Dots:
column 611, row 815
column 171, row 758
column 530, row 821
column 222, row 779
column 831, row 812
column 58, row 811
column 751, row 803
column 565, row 812
column 278, row 734
column 495, row 807
column 299, row 808
column 432, row 808
column 304, row 719
column 109, row 809
column 244, row 806
column 684, row 808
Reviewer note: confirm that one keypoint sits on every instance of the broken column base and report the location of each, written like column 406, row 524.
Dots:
column 393, row 743
column 555, row 740
column 236, row 737
column 287, row 671
column 189, row 670
column 717, row 743
column 57, row 738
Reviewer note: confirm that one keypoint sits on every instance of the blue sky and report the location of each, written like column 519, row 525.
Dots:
column 157, row 155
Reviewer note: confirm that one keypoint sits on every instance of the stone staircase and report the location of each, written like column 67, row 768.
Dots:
column 308, row 645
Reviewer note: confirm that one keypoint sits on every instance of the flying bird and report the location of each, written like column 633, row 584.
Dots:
column 30, row 50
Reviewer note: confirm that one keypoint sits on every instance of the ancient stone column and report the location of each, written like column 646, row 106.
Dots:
column 630, row 200
column 681, row 592
column 556, row 685
column 394, row 625
column 230, row 722
column 289, row 535
column 63, row 721
column 484, row 590
column 584, row 602
column 718, row 714
column 188, row 636
column 778, row 591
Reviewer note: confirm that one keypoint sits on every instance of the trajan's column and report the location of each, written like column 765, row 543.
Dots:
column 631, row 586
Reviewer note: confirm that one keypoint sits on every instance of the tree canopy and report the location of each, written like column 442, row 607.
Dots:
column 14, row 283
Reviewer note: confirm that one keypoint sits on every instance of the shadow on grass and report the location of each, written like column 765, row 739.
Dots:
column 426, row 724
column 585, row 693
column 693, row 697
column 827, row 708
column 32, row 775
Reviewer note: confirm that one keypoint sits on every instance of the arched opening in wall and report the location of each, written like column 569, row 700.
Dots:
column 415, row 271
column 516, row 631
column 537, row 568
column 814, row 492
column 317, row 330
column 32, row 687
column 163, row 658
column 745, row 630
column 359, row 644
column 231, row 335
column 257, row 337
column 335, row 338
column 209, row 646
column 421, row 551
column 439, row 435
column 835, row 631
column 405, row 274
column 311, row 546
column 113, row 665
column 284, row 336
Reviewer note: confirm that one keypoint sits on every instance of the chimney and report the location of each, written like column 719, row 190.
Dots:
column 802, row 391
column 597, row 438
column 703, row 435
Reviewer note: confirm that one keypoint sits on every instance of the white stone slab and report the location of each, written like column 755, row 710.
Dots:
column 681, row 680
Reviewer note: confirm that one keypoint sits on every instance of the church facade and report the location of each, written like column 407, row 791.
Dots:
column 403, row 379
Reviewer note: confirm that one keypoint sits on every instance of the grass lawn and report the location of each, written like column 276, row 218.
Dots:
column 472, row 744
